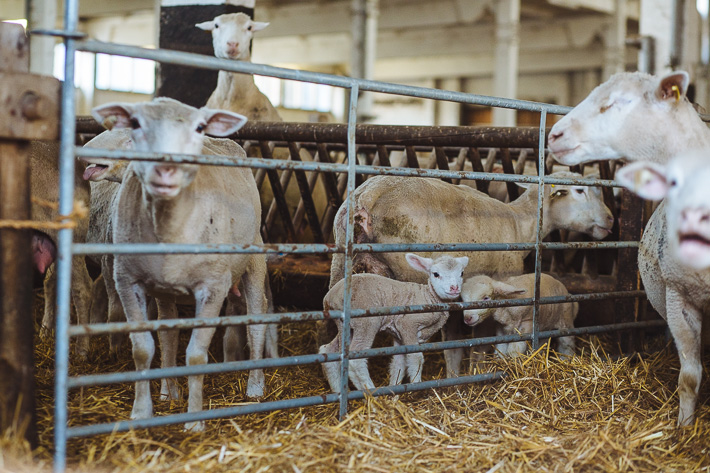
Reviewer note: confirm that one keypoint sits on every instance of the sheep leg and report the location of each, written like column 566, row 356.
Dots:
column 168, row 351
column 80, row 294
column 363, row 337
column 253, row 280
column 208, row 302
column 133, row 299
column 50, row 299
column 115, row 308
column 415, row 361
column 331, row 370
column 98, row 307
column 566, row 346
column 272, row 333
column 398, row 367
column 454, row 329
column 234, row 339
column 685, row 323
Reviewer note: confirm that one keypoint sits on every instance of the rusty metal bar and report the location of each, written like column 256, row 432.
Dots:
column 306, row 198
column 279, row 193
column 509, row 169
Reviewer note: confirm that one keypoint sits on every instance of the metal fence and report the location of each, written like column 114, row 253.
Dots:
column 75, row 41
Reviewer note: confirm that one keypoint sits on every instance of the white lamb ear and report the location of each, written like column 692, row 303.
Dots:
column 258, row 25
column 419, row 263
column 647, row 180
column 462, row 261
column 673, row 86
column 113, row 115
column 504, row 289
column 222, row 122
column 206, row 25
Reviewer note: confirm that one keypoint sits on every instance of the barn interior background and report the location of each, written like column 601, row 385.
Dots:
column 553, row 52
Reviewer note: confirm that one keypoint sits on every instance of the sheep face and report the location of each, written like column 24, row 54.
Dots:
column 445, row 273
column 605, row 125
column 484, row 288
column 231, row 35
column 684, row 184
column 167, row 126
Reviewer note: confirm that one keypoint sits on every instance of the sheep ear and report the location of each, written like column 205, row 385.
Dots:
column 419, row 263
column 462, row 261
column 258, row 25
column 673, row 86
column 206, row 25
column 647, row 180
column 503, row 289
column 222, row 122
column 113, row 115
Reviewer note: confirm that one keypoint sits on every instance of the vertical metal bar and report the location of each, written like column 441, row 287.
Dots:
column 64, row 258
column 347, row 293
column 538, row 236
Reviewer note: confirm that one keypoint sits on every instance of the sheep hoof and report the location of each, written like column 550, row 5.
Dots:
column 140, row 412
column 255, row 385
column 198, row 426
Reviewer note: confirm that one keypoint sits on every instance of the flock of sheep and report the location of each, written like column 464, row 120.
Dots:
column 632, row 116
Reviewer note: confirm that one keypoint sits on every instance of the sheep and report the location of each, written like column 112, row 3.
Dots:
column 44, row 169
column 519, row 319
column 231, row 39
column 445, row 275
column 421, row 210
column 184, row 203
column 643, row 118
column 105, row 176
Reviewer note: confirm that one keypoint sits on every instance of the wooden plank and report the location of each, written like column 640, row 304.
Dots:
column 14, row 48
column 30, row 104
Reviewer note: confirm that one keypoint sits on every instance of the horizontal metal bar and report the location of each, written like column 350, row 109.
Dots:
column 171, row 324
column 58, row 33
column 314, row 248
column 266, row 363
column 257, row 407
column 280, row 164
column 211, row 62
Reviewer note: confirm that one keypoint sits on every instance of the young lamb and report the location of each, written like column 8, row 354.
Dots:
column 421, row 210
column 44, row 168
column 519, row 319
column 105, row 176
column 184, row 203
column 445, row 275
column 643, row 118
column 231, row 38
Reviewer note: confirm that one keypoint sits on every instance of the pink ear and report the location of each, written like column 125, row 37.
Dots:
column 113, row 115
column 222, row 122
column 206, row 25
column 647, row 180
column 504, row 289
column 419, row 263
column 673, row 86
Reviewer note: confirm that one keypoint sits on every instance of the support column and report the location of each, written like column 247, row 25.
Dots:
column 655, row 21
column 365, row 15
column 41, row 14
column 447, row 113
column 615, row 54
column 505, row 76
column 177, row 31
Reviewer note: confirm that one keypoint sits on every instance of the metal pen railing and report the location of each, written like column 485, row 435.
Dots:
column 66, row 249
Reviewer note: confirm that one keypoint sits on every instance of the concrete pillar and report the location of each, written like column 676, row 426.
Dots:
column 177, row 31
column 365, row 15
column 655, row 21
column 447, row 113
column 41, row 14
column 505, row 76
column 615, row 53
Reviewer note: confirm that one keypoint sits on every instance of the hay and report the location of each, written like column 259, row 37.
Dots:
column 589, row 413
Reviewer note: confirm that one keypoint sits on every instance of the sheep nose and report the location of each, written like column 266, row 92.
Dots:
column 165, row 171
column 695, row 216
column 232, row 44
column 610, row 219
column 454, row 288
column 554, row 136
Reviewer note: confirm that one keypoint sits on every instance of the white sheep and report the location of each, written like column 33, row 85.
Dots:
column 519, row 319
column 421, row 210
column 231, row 39
column 445, row 275
column 184, row 203
column 643, row 118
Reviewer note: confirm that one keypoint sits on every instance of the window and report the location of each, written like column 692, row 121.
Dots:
column 302, row 95
column 125, row 74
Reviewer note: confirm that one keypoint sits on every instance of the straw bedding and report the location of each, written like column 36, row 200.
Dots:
column 590, row 413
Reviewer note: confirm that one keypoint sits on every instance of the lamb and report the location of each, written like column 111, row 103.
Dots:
column 184, row 203
column 105, row 176
column 44, row 162
column 519, row 319
column 421, row 210
column 643, row 118
column 445, row 275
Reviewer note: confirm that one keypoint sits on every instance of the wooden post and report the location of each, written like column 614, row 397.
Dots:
column 28, row 110
column 177, row 31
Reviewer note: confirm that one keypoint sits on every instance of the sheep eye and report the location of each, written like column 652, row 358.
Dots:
column 249, row 28
column 216, row 26
column 673, row 183
column 201, row 128
column 436, row 275
column 487, row 298
column 559, row 193
column 135, row 124
column 606, row 107
column 579, row 191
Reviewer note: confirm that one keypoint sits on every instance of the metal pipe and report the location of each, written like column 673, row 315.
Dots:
column 539, row 235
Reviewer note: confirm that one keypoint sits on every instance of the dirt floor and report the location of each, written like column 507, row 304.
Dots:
column 590, row 413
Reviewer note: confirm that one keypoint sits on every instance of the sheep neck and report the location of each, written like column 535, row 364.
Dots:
column 231, row 87
column 686, row 131
column 169, row 217
column 525, row 209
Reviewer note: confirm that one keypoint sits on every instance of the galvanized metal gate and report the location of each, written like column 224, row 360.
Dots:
column 75, row 41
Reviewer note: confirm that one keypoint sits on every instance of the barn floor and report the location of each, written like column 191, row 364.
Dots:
column 590, row 413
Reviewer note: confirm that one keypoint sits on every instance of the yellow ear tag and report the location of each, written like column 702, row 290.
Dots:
column 676, row 91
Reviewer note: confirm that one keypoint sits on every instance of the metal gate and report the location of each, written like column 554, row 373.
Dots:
column 75, row 41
